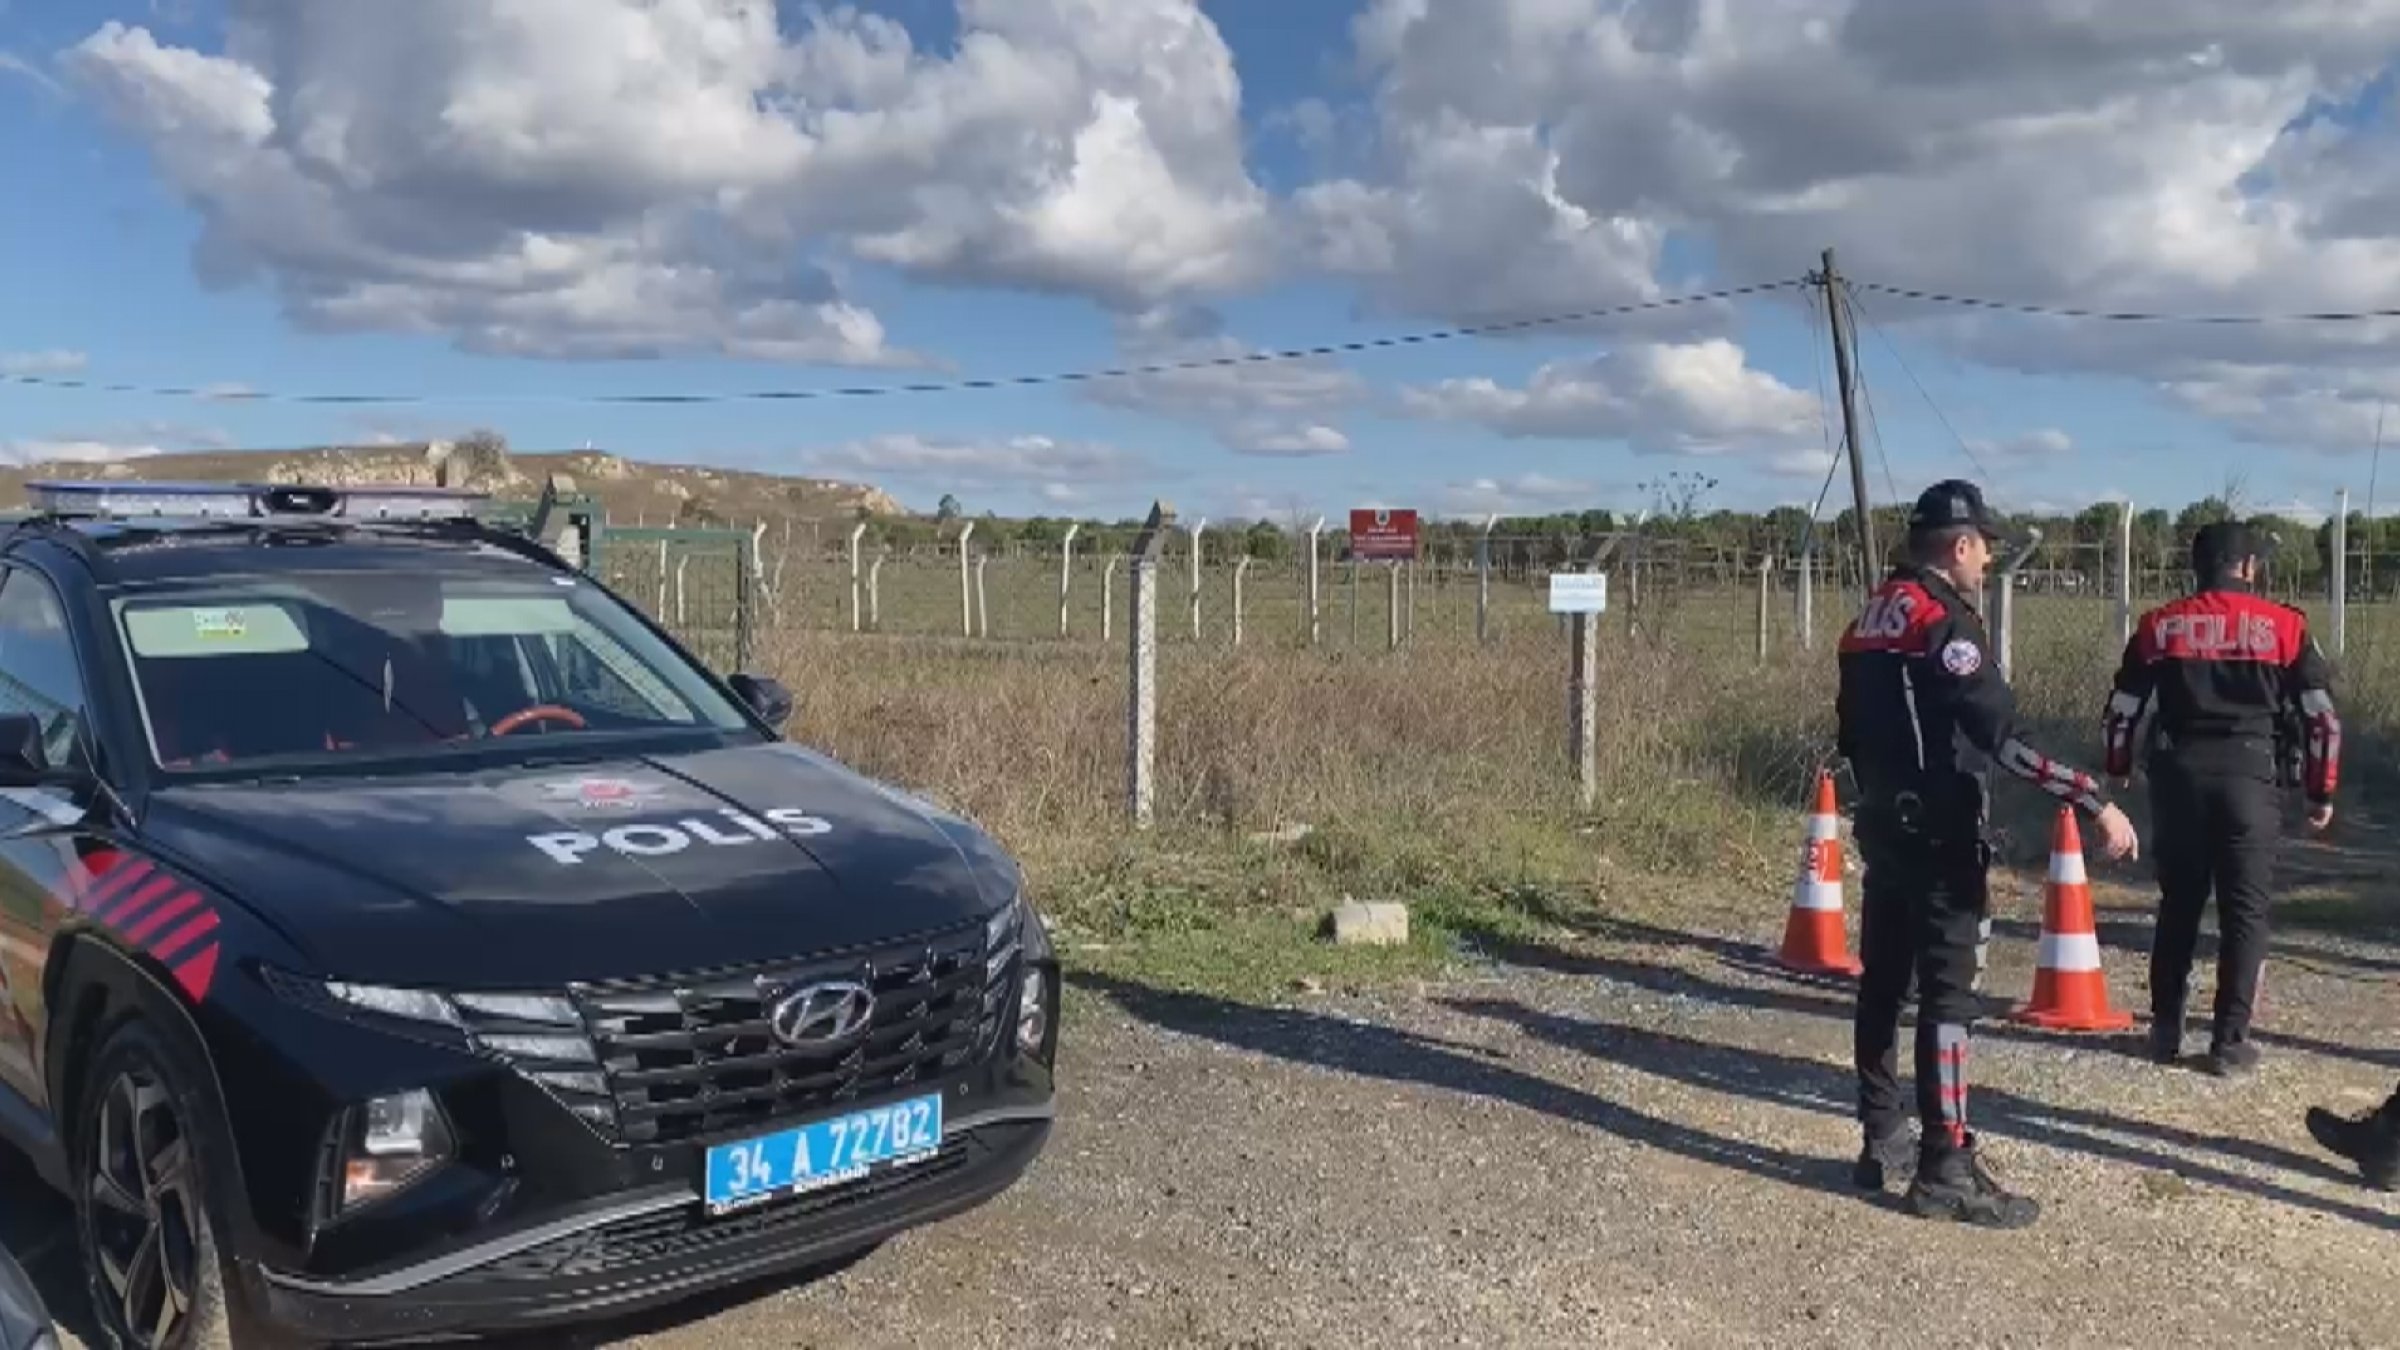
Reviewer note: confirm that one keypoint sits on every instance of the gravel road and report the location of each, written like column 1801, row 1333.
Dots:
column 1636, row 1136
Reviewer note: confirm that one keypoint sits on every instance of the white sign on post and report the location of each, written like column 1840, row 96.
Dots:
column 1579, row 592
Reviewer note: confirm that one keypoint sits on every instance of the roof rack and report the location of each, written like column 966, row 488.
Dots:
column 265, row 501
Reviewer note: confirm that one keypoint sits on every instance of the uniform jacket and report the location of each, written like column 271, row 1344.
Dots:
column 1924, row 715
column 2228, row 669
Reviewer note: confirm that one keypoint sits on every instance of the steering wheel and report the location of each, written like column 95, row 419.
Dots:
column 539, row 712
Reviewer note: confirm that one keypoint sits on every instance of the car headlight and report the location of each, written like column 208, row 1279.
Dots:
column 388, row 1143
column 1033, row 1013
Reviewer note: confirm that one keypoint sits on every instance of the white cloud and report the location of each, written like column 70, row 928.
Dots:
column 51, row 362
column 1284, row 408
column 1060, row 472
column 2050, row 151
column 13, row 64
column 629, row 177
column 2045, row 443
column 1530, row 494
column 1695, row 398
column 73, row 452
column 111, row 444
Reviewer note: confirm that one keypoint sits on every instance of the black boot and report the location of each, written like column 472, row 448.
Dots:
column 1887, row 1155
column 2372, row 1141
column 1951, row 1183
column 2233, row 1058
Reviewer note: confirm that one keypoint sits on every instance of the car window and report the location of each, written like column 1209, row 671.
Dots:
column 378, row 665
column 38, row 670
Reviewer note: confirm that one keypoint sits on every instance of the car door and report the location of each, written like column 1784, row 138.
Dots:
column 39, row 826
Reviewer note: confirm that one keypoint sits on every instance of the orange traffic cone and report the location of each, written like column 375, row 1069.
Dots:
column 1813, row 937
column 2070, row 991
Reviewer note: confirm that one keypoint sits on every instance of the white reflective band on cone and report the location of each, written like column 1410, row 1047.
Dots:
column 1819, row 895
column 1824, row 827
column 2066, row 869
column 2070, row 951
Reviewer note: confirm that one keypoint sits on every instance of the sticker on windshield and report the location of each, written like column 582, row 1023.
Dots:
column 219, row 623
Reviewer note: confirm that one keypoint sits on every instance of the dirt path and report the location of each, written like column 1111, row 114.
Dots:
column 1634, row 1136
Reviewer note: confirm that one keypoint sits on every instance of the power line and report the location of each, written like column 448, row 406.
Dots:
column 1905, row 369
column 934, row 386
column 2122, row 315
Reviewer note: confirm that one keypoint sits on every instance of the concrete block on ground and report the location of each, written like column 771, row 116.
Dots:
column 1370, row 923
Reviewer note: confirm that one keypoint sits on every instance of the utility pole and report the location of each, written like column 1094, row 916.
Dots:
column 1870, row 562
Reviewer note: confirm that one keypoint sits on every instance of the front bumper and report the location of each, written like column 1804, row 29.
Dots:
column 654, row 1246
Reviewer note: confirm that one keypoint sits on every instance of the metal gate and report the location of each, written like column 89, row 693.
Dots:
column 695, row 583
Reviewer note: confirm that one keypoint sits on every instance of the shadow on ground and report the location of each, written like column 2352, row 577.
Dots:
column 1397, row 1055
column 1821, row 996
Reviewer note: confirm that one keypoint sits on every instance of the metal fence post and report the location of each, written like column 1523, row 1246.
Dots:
column 856, row 534
column 1241, row 572
column 1196, row 529
column 2340, row 598
column 1066, row 573
column 875, row 592
column 1483, row 581
column 1141, row 691
column 2004, row 604
column 983, row 610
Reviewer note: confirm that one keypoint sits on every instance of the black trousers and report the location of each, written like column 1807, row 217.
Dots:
column 2212, row 831
column 1921, row 918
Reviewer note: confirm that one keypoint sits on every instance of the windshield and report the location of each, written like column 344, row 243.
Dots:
column 374, row 665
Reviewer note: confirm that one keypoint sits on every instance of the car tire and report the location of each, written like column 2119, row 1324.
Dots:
column 143, row 1204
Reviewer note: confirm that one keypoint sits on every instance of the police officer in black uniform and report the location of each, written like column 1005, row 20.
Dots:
column 2229, row 669
column 1923, row 717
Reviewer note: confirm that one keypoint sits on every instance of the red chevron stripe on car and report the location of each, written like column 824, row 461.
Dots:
column 152, row 911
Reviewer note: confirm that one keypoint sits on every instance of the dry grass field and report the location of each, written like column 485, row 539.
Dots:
column 1289, row 778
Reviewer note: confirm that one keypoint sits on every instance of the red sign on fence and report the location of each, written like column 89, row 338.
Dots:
column 1380, row 534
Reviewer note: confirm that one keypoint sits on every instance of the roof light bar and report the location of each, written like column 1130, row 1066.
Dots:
column 225, row 501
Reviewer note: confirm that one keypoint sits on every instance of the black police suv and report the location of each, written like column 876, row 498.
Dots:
column 401, row 935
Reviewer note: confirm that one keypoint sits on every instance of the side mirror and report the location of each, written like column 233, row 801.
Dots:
column 766, row 696
column 23, row 762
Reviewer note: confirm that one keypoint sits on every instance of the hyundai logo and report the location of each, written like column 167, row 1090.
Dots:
column 827, row 1014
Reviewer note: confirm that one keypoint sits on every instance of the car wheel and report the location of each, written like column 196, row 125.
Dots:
column 141, row 1208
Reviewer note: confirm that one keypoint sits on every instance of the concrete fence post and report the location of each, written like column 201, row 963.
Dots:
column 1141, row 690
column 875, row 592
column 1804, row 597
column 1314, row 593
column 1066, row 574
column 1241, row 573
column 855, row 536
column 1766, row 582
column 1196, row 529
column 983, row 608
column 1108, row 598
column 2339, row 599
column 2125, row 575
column 1483, row 581
column 1391, row 617
column 966, row 584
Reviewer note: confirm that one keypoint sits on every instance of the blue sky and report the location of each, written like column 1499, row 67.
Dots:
column 153, row 254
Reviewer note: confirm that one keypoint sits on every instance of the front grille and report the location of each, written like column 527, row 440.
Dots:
column 693, row 1058
column 691, row 1232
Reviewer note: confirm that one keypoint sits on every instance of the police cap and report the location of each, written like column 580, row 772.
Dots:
column 1949, row 504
